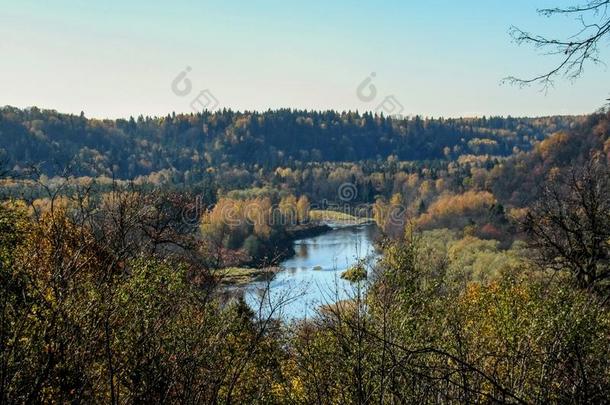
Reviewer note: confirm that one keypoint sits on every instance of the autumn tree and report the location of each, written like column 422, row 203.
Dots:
column 288, row 209
column 90, row 314
column 303, row 209
column 569, row 225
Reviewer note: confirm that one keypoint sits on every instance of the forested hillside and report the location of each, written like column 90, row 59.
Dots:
column 492, row 284
column 126, row 148
column 337, row 251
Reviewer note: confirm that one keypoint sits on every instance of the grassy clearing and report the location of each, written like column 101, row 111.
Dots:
column 335, row 216
column 242, row 275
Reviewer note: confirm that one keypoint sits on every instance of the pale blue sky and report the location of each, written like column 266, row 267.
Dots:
column 438, row 57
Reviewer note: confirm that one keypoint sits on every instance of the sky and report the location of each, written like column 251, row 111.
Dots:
column 115, row 58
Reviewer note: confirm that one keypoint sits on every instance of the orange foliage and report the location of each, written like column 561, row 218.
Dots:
column 449, row 205
column 548, row 147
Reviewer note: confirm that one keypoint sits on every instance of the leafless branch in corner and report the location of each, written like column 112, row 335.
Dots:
column 575, row 51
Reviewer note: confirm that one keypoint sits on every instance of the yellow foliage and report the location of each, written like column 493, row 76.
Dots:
column 547, row 147
column 449, row 205
column 303, row 209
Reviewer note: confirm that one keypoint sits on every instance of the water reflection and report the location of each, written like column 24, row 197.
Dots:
column 312, row 277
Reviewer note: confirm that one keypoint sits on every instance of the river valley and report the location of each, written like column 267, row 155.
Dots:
column 312, row 277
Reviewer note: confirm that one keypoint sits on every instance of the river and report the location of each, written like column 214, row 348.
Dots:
column 312, row 277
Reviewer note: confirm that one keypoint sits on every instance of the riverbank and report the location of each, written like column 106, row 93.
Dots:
column 307, row 230
column 246, row 273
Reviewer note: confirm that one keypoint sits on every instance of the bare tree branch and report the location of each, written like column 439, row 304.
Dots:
column 575, row 51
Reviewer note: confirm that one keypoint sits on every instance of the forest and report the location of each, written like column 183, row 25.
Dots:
column 247, row 253
column 186, row 145
column 492, row 285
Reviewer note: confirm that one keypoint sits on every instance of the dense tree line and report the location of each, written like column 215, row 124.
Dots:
column 189, row 144
column 429, row 191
